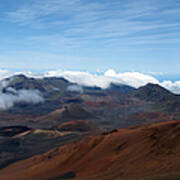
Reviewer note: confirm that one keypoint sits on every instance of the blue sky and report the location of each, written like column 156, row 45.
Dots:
column 125, row 35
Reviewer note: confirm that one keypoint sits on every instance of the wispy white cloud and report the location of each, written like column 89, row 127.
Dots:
column 93, row 19
column 42, row 61
column 29, row 13
column 63, row 33
column 87, row 24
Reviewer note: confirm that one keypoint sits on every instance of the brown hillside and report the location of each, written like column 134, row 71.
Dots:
column 77, row 125
column 145, row 151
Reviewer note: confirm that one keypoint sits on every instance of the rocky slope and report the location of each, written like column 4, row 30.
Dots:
column 163, row 99
column 148, row 152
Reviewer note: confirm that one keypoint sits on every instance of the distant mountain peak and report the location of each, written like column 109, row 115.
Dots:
column 153, row 92
column 156, row 86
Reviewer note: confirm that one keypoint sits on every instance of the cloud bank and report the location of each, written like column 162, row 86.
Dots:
column 134, row 79
column 103, row 80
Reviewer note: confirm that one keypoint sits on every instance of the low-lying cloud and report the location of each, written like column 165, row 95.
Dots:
column 11, row 97
column 75, row 88
column 134, row 79
column 103, row 80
